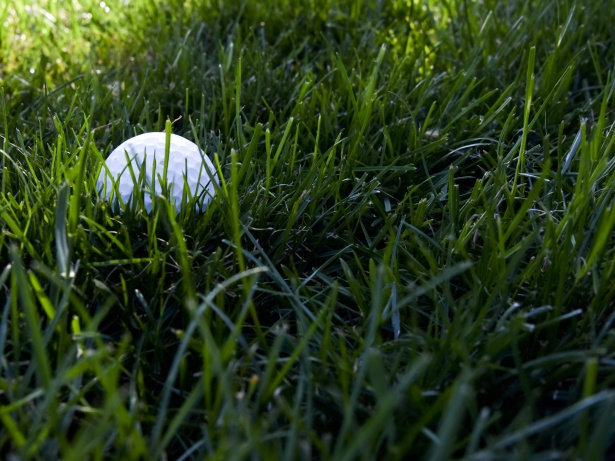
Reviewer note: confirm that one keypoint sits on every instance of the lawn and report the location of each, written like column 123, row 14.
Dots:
column 411, row 253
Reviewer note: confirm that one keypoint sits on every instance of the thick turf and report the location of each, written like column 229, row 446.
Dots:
column 410, row 256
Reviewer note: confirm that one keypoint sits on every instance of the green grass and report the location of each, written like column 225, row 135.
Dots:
column 410, row 256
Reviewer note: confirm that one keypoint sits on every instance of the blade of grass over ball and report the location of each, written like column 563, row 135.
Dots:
column 167, row 150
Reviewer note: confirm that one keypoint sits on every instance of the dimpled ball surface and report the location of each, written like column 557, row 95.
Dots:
column 187, row 163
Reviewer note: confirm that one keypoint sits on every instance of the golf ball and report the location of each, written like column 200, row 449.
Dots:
column 146, row 155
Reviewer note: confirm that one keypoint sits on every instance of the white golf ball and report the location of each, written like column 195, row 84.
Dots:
column 187, row 165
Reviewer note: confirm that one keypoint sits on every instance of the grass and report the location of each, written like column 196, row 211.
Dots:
column 410, row 255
